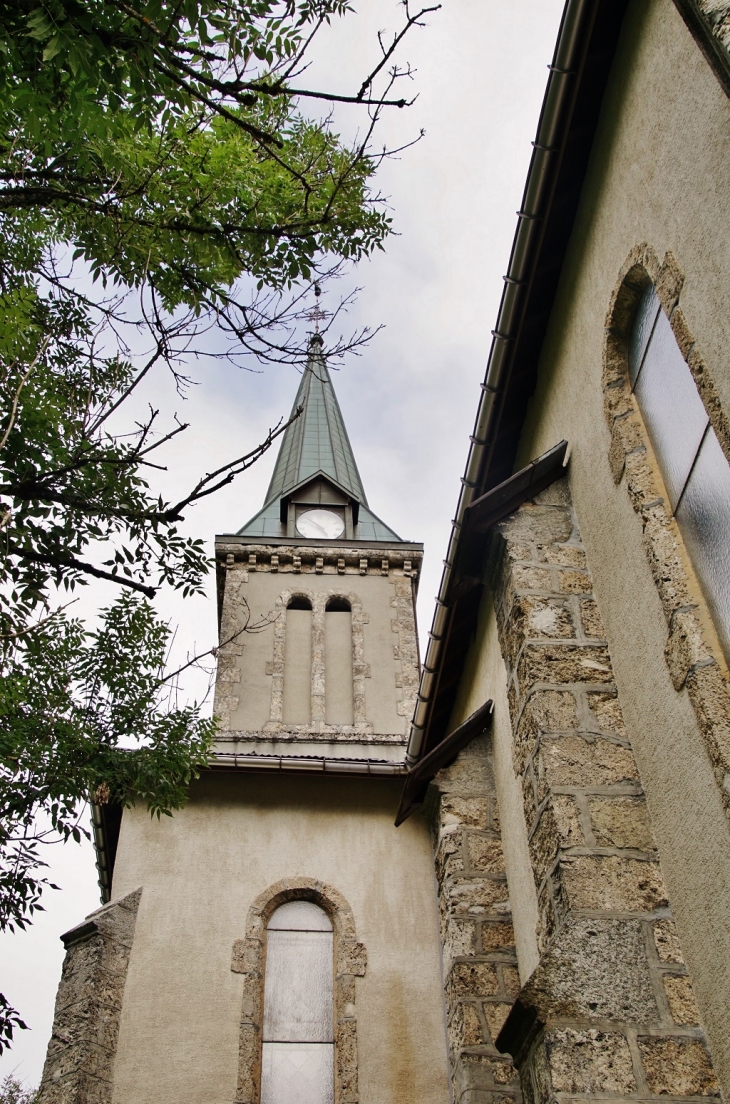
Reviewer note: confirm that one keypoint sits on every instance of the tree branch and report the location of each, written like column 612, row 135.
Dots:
column 80, row 565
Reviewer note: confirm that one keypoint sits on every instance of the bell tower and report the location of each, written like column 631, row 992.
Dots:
column 276, row 941
column 318, row 654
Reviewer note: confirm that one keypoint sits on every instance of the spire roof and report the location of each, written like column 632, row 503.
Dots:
column 317, row 441
column 316, row 444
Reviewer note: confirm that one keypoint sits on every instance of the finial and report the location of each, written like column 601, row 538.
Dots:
column 317, row 314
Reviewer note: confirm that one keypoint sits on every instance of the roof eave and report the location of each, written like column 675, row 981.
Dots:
column 579, row 73
column 287, row 493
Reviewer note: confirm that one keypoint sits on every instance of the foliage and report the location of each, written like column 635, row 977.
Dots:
column 164, row 145
column 13, row 1091
column 79, row 717
column 162, row 193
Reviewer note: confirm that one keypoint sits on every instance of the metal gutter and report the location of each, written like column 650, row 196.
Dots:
column 106, row 821
column 568, row 61
column 104, row 864
column 305, row 764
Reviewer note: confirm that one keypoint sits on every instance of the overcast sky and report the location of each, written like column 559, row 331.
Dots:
column 409, row 400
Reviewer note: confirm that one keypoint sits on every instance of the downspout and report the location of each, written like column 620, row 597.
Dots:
column 569, row 56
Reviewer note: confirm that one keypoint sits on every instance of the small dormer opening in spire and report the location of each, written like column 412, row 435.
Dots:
column 315, row 491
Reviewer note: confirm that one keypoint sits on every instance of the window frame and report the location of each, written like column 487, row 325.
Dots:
column 654, row 352
column 694, row 658
column 286, row 982
column 350, row 962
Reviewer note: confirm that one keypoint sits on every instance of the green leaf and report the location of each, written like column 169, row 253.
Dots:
column 54, row 47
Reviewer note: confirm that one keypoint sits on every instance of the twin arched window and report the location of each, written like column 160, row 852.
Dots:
column 297, row 1061
column 694, row 468
column 298, row 667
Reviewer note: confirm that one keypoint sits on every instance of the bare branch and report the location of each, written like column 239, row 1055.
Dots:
column 16, row 398
column 228, row 472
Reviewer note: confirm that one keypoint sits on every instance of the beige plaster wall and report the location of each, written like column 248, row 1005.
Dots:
column 200, row 872
column 260, row 590
column 338, row 668
column 660, row 173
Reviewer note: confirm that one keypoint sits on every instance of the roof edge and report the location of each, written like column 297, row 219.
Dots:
column 588, row 27
column 333, row 548
column 318, row 474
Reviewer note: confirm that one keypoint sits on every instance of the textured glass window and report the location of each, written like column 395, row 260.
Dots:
column 704, row 514
column 298, row 1036
column 673, row 410
column 693, row 465
column 297, row 1073
column 646, row 313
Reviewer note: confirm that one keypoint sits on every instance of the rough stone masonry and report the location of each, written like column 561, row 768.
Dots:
column 609, row 1011
column 610, row 1007
column 480, row 963
column 80, row 1063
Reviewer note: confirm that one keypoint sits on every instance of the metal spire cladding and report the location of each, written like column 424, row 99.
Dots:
column 316, row 446
column 317, row 441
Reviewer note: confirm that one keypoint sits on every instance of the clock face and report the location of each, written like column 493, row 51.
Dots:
column 320, row 523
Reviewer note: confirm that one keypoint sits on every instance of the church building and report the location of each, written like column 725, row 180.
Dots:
column 500, row 872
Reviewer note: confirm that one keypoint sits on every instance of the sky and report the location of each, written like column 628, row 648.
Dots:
column 408, row 400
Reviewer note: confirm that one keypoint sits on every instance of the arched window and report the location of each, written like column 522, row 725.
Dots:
column 338, row 605
column 297, row 706
column 300, row 602
column 297, row 1062
column 693, row 465
column 338, row 688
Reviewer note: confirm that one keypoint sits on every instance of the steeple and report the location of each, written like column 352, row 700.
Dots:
column 316, row 466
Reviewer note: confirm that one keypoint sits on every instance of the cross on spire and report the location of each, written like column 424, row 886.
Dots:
column 317, row 315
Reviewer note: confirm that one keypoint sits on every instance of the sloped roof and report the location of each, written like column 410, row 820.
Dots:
column 317, row 441
column 316, row 444
column 582, row 64
column 268, row 524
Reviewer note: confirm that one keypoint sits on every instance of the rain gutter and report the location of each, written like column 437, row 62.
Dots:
column 105, row 824
column 289, row 764
column 574, row 39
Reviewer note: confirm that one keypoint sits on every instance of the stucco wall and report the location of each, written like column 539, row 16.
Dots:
column 252, row 667
column 660, row 174
column 201, row 871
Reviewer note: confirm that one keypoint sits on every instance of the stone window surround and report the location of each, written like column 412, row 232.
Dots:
column 249, row 959
column 360, row 669
column 692, row 652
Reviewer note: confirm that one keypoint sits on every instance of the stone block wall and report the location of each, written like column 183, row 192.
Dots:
column 80, row 1061
column 609, row 1009
column 717, row 14
column 480, row 963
